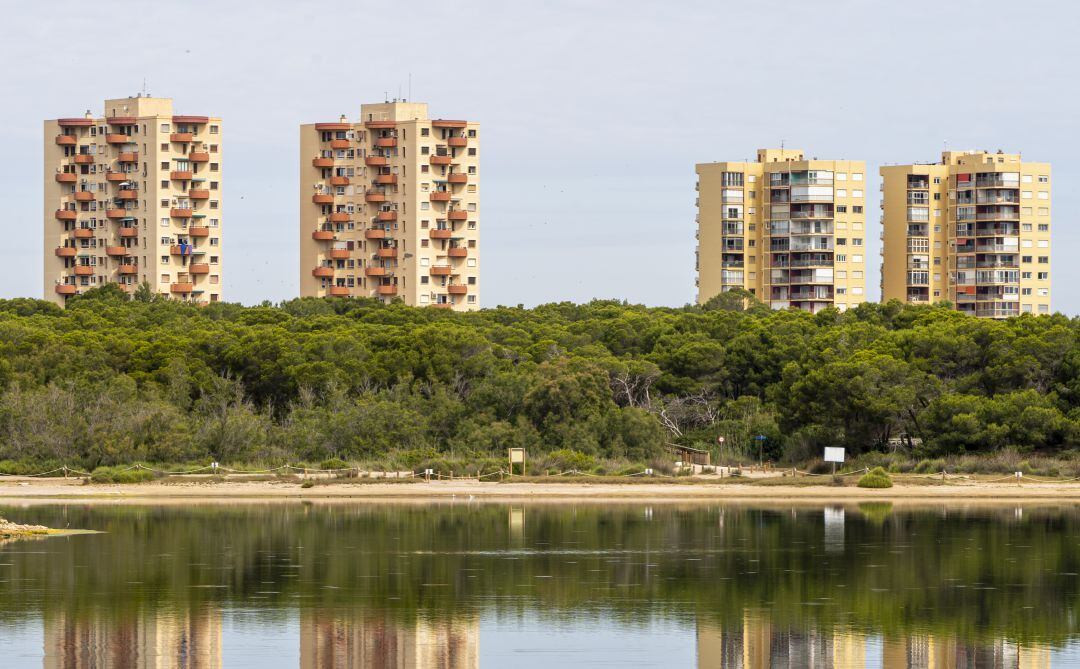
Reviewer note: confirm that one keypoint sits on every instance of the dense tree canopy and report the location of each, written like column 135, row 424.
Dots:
column 109, row 380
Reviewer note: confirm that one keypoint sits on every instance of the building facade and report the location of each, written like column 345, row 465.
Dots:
column 788, row 229
column 131, row 196
column 389, row 207
column 973, row 229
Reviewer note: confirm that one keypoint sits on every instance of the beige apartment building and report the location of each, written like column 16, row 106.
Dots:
column 973, row 229
column 133, row 195
column 787, row 228
column 389, row 207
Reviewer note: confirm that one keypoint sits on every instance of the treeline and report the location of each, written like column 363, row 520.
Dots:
column 111, row 380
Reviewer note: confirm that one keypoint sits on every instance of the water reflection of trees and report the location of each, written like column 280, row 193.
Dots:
column 976, row 575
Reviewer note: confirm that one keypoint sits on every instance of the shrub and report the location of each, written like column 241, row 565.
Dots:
column 308, row 484
column 566, row 459
column 120, row 475
column 334, row 463
column 875, row 478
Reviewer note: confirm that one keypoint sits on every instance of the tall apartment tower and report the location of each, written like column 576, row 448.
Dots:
column 389, row 207
column 973, row 229
column 132, row 196
column 786, row 228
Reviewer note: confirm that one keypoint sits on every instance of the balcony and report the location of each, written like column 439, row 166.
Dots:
column 117, row 138
column 458, row 252
column 199, row 157
column 386, row 216
column 84, row 270
column 441, row 160
column 66, row 251
column 322, row 235
column 375, row 234
column 458, row 178
column 339, row 181
column 322, row 162
column 339, row 144
column 443, row 305
column 185, row 287
column 322, row 272
column 116, row 251
column 117, row 177
column 65, row 289
column 387, row 290
column 181, row 249
column 457, row 289
column 374, row 196
column 457, row 142
column 339, row 217
column 198, row 231
column 128, row 269
column 127, row 194
column 83, row 159
column 338, row 254
column 440, row 196
column 128, row 157
column 322, row 198
column 199, row 268
column 66, row 140
column 448, row 123
column 441, row 270
column 199, row 194
column 386, row 253
column 66, row 214
column 129, row 232
column 83, row 233
column 181, row 175
column 437, row 233
column 385, row 142
column 376, row 161
column 182, row 137
column 375, row 271
column 457, row 215
column 66, row 178
column 386, row 179
column 338, row 291
column 180, row 212
column 84, row 196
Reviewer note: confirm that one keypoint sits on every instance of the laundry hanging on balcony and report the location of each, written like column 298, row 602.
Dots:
column 185, row 249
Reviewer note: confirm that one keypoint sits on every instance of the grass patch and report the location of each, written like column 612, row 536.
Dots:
column 120, row 475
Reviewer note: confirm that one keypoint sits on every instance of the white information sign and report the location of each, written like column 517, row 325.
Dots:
column 834, row 454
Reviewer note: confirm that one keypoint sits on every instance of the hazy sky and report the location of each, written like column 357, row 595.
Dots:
column 592, row 113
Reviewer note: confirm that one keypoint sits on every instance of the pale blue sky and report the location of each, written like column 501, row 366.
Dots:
column 593, row 113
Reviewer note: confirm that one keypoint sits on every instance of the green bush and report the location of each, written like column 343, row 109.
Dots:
column 334, row 463
column 308, row 484
column 120, row 475
column 875, row 478
column 566, row 459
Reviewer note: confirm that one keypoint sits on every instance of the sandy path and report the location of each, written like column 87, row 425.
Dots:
column 15, row 491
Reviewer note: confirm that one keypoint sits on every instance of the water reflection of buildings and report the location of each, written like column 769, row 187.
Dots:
column 345, row 642
column 757, row 643
column 155, row 640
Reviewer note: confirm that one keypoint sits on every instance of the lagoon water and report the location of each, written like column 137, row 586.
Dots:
column 451, row 585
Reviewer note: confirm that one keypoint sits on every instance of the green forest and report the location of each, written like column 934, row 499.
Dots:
column 113, row 380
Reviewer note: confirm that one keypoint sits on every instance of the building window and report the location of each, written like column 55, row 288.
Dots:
column 213, row 130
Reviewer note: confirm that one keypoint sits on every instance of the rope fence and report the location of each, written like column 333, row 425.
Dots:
column 732, row 471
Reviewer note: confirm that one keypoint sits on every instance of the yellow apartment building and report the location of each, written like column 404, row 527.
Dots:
column 787, row 228
column 133, row 195
column 390, row 207
column 973, row 229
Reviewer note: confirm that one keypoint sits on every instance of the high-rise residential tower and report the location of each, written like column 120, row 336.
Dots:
column 787, row 228
column 133, row 195
column 389, row 207
column 973, row 229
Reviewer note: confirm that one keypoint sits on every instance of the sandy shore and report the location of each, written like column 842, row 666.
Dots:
column 59, row 490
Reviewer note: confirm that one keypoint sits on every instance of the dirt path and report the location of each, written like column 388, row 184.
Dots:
column 16, row 491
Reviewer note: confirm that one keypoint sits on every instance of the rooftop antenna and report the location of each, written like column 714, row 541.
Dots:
column 145, row 92
column 781, row 143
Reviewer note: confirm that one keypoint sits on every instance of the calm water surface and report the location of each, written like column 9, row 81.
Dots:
column 458, row 585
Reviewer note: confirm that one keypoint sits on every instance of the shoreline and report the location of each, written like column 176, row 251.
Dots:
column 15, row 491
